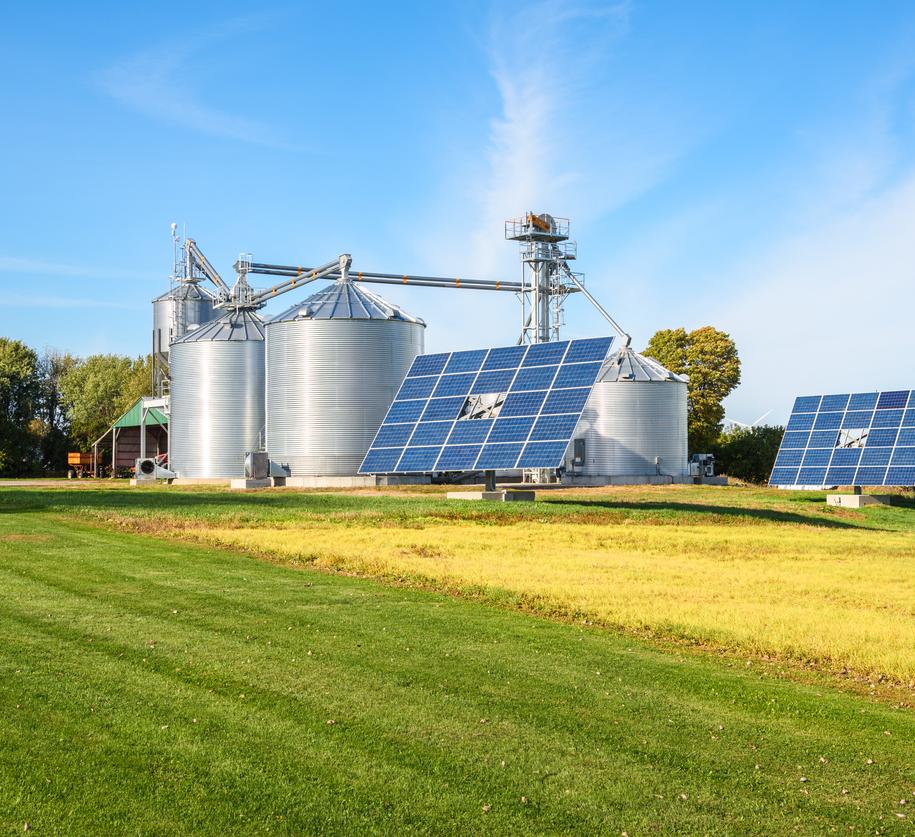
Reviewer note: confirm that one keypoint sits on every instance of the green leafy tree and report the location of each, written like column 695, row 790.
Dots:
column 97, row 390
column 709, row 357
column 19, row 399
column 748, row 453
column 52, row 421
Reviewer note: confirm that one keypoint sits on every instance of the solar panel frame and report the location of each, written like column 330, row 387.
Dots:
column 865, row 438
column 539, row 392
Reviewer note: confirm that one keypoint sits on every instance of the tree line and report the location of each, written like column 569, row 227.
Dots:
column 709, row 357
column 54, row 402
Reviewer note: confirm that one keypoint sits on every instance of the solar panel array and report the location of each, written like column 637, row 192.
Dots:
column 488, row 409
column 865, row 438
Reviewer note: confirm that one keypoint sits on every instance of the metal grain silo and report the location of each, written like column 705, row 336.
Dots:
column 183, row 308
column 217, row 396
column 334, row 364
column 634, row 423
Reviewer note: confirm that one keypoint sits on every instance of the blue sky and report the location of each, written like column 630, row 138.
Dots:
column 749, row 166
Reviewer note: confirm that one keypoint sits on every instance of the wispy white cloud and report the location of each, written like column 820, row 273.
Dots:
column 155, row 82
column 566, row 138
column 541, row 72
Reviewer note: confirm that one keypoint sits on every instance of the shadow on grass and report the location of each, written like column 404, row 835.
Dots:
column 204, row 503
column 769, row 515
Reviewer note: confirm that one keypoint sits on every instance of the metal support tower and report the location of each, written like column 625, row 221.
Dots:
column 545, row 279
column 178, row 274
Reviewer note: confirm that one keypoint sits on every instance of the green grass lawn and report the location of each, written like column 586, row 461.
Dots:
column 151, row 686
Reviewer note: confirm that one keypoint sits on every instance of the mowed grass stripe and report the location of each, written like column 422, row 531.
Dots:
column 599, row 733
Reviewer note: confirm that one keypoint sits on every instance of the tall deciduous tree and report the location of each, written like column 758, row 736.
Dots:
column 709, row 357
column 19, row 399
column 52, row 419
column 98, row 389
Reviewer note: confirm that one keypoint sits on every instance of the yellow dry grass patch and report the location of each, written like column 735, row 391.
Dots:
column 840, row 598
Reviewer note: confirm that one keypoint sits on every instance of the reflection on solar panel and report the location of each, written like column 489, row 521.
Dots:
column 511, row 407
column 866, row 438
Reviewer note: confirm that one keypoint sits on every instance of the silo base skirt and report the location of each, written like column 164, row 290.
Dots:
column 640, row 479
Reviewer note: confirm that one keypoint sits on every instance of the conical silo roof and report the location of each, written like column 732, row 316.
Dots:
column 628, row 365
column 185, row 291
column 345, row 301
column 235, row 326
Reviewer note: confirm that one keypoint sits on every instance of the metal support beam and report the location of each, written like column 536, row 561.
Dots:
column 330, row 270
column 197, row 258
column 265, row 269
column 616, row 327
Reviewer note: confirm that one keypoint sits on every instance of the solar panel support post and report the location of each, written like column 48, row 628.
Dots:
column 856, row 489
column 489, row 480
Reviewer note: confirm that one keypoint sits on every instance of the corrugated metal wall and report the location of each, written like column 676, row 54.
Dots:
column 217, row 406
column 329, row 385
column 626, row 424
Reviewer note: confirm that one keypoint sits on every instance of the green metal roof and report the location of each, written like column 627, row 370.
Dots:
column 132, row 417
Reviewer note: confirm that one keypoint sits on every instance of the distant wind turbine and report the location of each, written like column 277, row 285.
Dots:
column 734, row 423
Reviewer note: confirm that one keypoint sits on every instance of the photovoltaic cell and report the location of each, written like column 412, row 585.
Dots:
column 554, row 427
column 892, row 399
column 811, row 476
column 417, row 388
column 509, row 357
column 404, row 411
column 866, row 438
column 381, row 460
column 870, row 476
column 887, row 418
column 507, row 407
column 496, row 381
column 458, row 457
column 418, row 459
column 834, row 402
column 453, row 385
column 466, row 361
column 443, row 408
column 823, row 439
column 863, row 401
column 537, row 452
column 541, row 354
column 523, row 403
column 499, row 456
column 828, row 421
column 537, row 377
column 787, row 458
column 584, row 350
column 801, row 421
column 466, row 432
column 804, row 404
column 566, row 400
column 429, row 433
column 876, row 456
column 428, row 365
column 900, row 476
column 576, row 375
column 394, row 435
column 511, row 430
